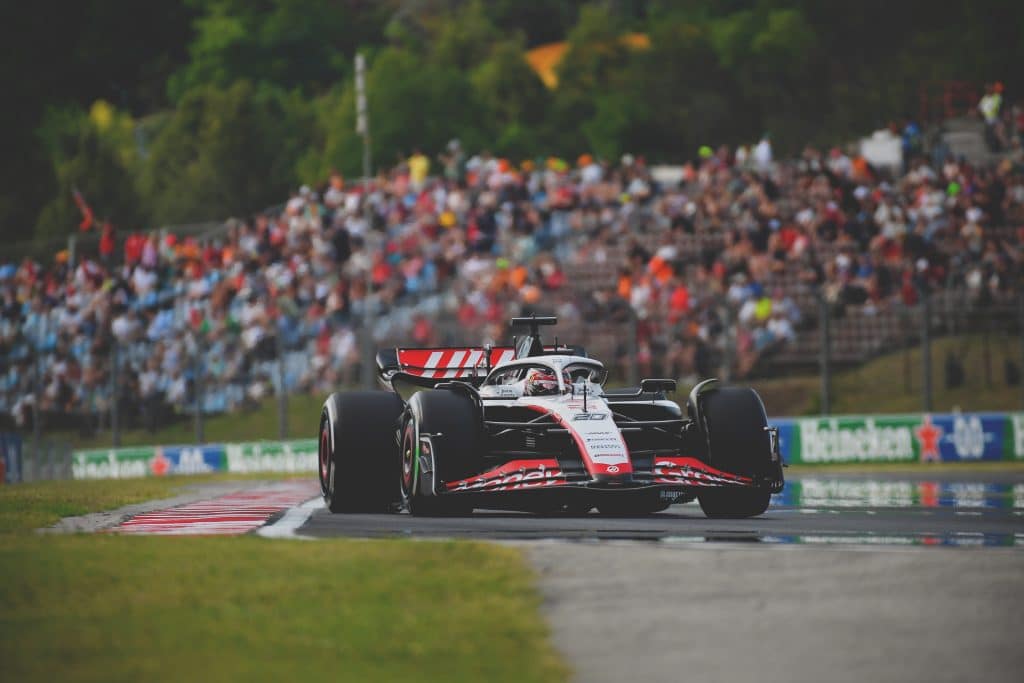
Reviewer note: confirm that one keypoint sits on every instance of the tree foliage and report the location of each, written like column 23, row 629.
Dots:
column 92, row 153
column 223, row 152
column 219, row 106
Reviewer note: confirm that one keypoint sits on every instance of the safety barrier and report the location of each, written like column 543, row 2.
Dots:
column 912, row 438
column 144, row 461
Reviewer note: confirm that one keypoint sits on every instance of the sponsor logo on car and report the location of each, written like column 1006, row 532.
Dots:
column 539, row 477
column 593, row 417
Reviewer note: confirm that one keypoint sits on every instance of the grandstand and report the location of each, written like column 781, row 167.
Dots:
column 726, row 272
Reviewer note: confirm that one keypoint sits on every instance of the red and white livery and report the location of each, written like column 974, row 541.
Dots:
column 531, row 427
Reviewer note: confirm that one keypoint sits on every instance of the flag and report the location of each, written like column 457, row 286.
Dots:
column 87, row 216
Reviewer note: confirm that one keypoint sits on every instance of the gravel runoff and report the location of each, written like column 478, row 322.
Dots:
column 99, row 521
column 647, row 612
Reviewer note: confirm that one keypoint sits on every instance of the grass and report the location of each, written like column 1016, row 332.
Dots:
column 112, row 608
column 881, row 385
column 35, row 505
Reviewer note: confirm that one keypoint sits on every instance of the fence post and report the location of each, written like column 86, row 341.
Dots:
column 367, row 346
column 1020, row 337
column 282, row 395
column 729, row 326
column 197, row 387
column 826, row 354
column 115, row 394
column 37, row 424
column 986, row 350
column 633, row 363
column 926, row 349
column 908, row 384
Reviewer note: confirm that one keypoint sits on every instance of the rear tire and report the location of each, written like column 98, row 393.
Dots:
column 453, row 425
column 358, row 450
column 735, row 421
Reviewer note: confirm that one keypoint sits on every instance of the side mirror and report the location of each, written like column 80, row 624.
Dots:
column 656, row 385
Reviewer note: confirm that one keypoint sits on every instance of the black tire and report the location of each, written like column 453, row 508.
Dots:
column 735, row 421
column 358, row 451
column 454, row 423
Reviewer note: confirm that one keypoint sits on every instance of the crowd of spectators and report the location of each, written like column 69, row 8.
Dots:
column 686, row 266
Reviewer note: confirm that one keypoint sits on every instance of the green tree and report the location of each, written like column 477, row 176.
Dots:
column 593, row 67
column 465, row 37
column 411, row 103
column 66, row 57
column 225, row 152
column 540, row 21
column 94, row 153
column 306, row 44
column 513, row 100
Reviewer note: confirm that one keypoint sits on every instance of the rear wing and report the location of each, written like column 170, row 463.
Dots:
column 429, row 366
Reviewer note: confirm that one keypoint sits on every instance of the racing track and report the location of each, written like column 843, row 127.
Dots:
column 824, row 587
column 944, row 508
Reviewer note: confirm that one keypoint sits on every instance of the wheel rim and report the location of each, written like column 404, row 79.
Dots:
column 325, row 455
column 408, row 463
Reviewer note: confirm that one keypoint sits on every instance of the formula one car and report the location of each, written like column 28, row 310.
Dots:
column 530, row 427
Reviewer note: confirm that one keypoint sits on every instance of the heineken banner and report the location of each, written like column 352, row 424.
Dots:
column 272, row 456
column 916, row 438
column 146, row 461
column 931, row 437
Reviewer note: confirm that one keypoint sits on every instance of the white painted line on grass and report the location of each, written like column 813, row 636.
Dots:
column 291, row 520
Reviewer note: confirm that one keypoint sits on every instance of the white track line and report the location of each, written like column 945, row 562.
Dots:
column 291, row 520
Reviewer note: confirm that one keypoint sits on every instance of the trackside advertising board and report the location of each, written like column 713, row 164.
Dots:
column 156, row 461
column 929, row 437
column 914, row 438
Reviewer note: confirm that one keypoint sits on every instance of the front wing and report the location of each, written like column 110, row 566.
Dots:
column 668, row 473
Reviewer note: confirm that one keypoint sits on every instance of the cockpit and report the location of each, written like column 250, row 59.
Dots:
column 555, row 376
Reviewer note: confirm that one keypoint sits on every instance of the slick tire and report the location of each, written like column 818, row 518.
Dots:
column 738, row 443
column 358, row 450
column 451, row 424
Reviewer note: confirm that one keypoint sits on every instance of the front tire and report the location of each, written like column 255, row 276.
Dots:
column 358, row 450
column 449, row 425
column 735, row 422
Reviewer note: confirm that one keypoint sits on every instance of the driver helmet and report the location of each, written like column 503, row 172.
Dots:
column 544, row 382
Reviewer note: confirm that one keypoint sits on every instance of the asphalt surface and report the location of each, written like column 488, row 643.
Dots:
column 846, row 578
column 656, row 612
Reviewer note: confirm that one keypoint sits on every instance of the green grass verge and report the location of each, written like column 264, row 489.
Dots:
column 250, row 425
column 25, row 507
column 110, row 608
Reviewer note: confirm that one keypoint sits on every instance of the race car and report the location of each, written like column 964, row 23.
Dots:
column 530, row 427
